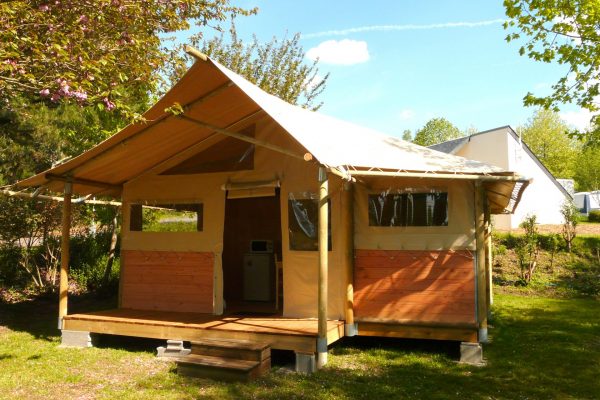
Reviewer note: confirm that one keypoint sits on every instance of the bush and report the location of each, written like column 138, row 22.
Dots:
column 499, row 250
column 508, row 240
column 89, row 254
column 87, row 249
column 550, row 242
column 528, row 248
column 10, row 273
column 594, row 216
column 88, row 260
column 91, row 277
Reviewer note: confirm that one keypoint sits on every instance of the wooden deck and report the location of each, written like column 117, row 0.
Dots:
column 281, row 333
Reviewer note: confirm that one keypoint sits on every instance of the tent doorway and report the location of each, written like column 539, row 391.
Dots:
column 251, row 251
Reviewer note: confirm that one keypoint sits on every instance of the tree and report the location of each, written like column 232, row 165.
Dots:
column 36, row 135
column 407, row 135
column 88, row 51
column 435, row 131
column 277, row 67
column 528, row 248
column 570, row 213
column 27, row 226
column 587, row 169
column 546, row 135
column 471, row 130
column 565, row 32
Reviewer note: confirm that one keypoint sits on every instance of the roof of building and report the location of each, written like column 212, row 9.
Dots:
column 454, row 145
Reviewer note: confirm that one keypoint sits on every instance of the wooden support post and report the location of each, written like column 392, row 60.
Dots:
column 348, row 223
column 64, row 254
column 481, row 276
column 323, row 261
column 125, row 227
column 488, row 255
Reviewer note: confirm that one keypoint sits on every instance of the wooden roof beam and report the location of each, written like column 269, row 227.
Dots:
column 188, row 152
column 432, row 175
column 243, row 137
column 194, row 52
column 82, row 181
column 25, row 195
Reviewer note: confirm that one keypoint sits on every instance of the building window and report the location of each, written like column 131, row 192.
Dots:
column 408, row 209
column 166, row 218
column 303, row 222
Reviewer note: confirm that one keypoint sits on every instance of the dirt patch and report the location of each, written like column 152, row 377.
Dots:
column 582, row 229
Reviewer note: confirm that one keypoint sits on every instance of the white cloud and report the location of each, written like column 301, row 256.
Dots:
column 579, row 119
column 343, row 52
column 406, row 114
column 408, row 27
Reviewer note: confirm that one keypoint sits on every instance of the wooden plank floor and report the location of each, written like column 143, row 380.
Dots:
column 282, row 333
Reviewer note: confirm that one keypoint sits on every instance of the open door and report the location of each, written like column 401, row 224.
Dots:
column 251, row 253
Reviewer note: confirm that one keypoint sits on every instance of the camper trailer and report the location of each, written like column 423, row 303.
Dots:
column 587, row 201
column 247, row 218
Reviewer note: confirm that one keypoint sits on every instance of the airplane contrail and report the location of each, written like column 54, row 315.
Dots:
column 408, row 27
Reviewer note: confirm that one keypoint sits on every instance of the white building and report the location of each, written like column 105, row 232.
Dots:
column 503, row 147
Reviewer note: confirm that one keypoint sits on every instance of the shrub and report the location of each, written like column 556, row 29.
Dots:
column 499, row 250
column 91, row 277
column 10, row 272
column 509, row 240
column 528, row 248
column 594, row 216
column 570, row 215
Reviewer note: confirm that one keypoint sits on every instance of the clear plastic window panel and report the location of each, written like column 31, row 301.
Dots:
column 303, row 221
column 408, row 208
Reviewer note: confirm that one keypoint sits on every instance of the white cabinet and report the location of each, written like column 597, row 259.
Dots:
column 258, row 270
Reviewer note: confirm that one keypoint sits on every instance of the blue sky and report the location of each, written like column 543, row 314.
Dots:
column 396, row 64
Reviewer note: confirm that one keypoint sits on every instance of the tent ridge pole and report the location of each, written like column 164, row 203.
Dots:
column 194, row 52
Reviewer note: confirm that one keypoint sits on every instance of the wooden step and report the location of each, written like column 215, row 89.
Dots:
column 235, row 349
column 222, row 368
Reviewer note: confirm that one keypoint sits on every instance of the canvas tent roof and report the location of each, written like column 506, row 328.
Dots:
column 216, row 99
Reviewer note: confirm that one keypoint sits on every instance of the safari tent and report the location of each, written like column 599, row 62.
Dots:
column 287, row 227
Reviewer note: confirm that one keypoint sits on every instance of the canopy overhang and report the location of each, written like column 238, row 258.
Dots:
column 218, row 103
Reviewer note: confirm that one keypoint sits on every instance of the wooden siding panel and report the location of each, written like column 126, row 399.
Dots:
column 167, row 281
column 419, row 286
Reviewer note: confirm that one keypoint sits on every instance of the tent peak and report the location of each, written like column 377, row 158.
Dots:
column 194, row 52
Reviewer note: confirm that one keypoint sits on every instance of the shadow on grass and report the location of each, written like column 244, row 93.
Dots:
column 39, row 317
column 540, row 349
column 127, row 343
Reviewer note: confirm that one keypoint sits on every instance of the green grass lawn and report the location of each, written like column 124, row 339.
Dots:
column 540, row 348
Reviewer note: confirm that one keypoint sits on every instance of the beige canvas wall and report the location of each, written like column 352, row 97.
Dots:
column 299, row 267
